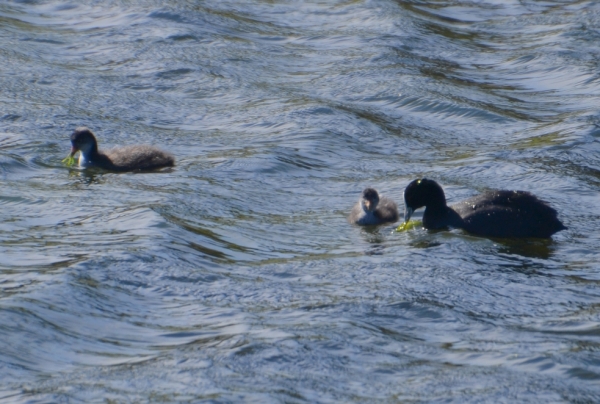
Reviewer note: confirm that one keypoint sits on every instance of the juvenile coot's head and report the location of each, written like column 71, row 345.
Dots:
column 83, row 140
column 370, row 199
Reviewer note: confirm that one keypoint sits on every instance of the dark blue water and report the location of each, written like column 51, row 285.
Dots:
column 235, row 277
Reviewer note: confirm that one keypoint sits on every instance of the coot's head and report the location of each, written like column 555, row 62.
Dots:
column 370, row 199
column 83, row 140
column 422, row 192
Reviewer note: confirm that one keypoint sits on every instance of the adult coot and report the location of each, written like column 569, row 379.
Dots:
column 127, row 158
column 372, row 209
column 491, row 214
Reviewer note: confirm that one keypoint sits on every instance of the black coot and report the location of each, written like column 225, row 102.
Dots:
column 491, row 214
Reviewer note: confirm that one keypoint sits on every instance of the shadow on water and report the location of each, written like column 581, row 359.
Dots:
column 375, row 236
column 87, row 176
column 525, row 247
column 530, row 248
column 93, row 175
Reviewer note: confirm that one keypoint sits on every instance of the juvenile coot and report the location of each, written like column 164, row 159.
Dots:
column 127, row 158
column 491, row 214
column 372, row 209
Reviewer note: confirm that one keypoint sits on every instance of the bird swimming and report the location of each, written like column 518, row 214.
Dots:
column 372, row 209
column 500, row 214
column 126, row 158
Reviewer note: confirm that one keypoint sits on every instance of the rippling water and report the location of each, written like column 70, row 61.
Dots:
column 235, row 276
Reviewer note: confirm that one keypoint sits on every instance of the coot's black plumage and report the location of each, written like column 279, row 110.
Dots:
column 372, row 209
column 127, row 158
column 491, row 214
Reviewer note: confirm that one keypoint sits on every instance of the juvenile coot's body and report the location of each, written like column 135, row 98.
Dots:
column 491, row 214
column 127, row 158
column 373, row 209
